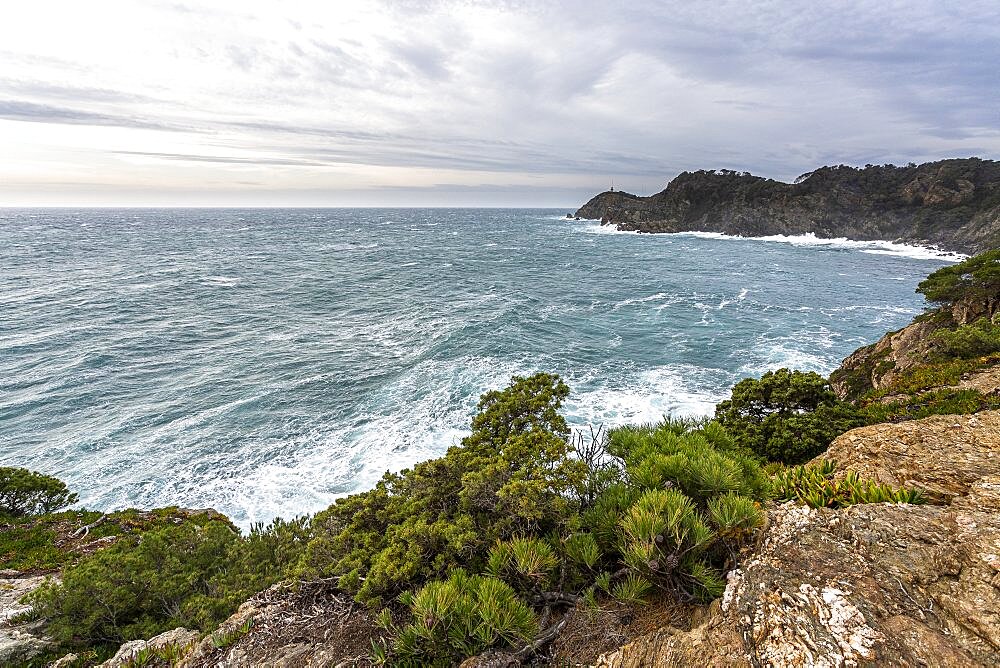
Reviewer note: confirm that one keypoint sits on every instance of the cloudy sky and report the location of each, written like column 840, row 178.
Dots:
column 474, row 103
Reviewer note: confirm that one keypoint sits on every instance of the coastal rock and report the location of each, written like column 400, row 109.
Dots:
column 942, row 455
column 879, row 365
column 302, row 625
column 874, row 584
column 949, row 203
column 19, row 641
column 125, row 656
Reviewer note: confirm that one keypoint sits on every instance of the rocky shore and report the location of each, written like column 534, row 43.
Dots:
column 888, row 554
column 950, row 204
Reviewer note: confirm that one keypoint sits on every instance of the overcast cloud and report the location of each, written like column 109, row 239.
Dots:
column 475, row 103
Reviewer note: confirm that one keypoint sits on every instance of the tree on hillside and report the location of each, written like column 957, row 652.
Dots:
column 786, row 416
column 977, row 278
column 24, row 492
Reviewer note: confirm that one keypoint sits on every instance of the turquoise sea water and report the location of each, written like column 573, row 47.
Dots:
column 263, row 362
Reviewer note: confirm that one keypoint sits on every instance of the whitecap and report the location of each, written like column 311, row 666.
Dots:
column 679, row 390
column 221, row 281
column 874, row 247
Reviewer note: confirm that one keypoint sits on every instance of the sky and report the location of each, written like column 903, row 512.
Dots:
column 355, row 103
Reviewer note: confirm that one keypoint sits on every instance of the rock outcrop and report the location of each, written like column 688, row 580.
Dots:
column 943, row 455
column 867, row 585
column 19, row 640
column 126, row 655
column 953, row 204
column 303, row 625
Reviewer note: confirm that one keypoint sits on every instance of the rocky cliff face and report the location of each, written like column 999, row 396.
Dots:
column 867, row 585
column 879, row 365
column 953, row 204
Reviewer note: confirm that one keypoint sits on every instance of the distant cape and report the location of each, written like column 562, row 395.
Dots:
column 949, row 204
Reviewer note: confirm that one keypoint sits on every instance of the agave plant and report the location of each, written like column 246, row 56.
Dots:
column 816, row 487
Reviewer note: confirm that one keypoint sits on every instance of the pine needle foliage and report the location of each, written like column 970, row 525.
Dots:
column 456, row 618
column 785, row 416
column 24, row 493
column 690, row 496
column 512, row 476
column 528, row 561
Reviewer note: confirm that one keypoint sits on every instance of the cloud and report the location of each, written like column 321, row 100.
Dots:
column 487, row 94
column 30, row 112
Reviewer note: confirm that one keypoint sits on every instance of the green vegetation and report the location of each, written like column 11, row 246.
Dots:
column 976, row 279
column 976, row 339
column 456, row 618
column 45, row 543
column 518, row 512
column 228, row 638
column 785, row 416
column 816, row 487
column 24, row 493
column 187, row 574
column 945, row 401
column 513, row 475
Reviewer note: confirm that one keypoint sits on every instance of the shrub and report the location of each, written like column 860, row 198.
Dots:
column 176, row 575
column 975, row 339
column 456, row 618
column 977, row 278
column 512, row 476
column 24, row 493
column 690, row 496
column 786, row 416
column 945, row 401
column 655, row 508
column 816, row 487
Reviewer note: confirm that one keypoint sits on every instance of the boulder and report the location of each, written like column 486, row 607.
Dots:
column 942, row 455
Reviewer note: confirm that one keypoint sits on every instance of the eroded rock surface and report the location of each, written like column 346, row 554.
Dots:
column 942, row 455
column 125, row 657
column 19, row 641
column 868, row 585
column 305, row 625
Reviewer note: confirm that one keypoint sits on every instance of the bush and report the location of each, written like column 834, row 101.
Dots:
column 687, row 499
column 178, row 575
column 456, row 618
column 512, row 476
column 946, row 401
column 656, row 508
column 976, row 339
column 24, row 493
column 816, row 487
column 977, row 278
column 786, row 416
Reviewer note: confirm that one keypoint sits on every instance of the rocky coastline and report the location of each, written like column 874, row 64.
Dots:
column 951, row 204
column 887, row 556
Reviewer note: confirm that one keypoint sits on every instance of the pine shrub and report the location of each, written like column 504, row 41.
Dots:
column 785, row 416
column 24, row 493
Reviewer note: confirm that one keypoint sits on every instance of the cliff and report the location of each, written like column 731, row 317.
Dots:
column 951, row 204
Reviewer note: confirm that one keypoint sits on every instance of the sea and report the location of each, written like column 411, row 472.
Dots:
column 264, row 362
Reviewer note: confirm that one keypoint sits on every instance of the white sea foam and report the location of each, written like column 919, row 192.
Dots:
column 874, row 247
column 680, row 390
column 597, row 228
column 221, row 280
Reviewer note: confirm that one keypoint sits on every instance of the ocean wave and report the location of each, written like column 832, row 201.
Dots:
column 873, row 247
column 222, row 281
column 679, row 390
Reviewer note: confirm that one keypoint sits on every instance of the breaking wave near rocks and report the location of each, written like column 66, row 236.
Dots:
column 265, row 362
